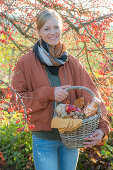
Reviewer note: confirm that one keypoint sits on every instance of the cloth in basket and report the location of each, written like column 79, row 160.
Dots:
column 67, row 124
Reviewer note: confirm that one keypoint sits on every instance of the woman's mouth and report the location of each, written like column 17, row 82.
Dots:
column 52, row 38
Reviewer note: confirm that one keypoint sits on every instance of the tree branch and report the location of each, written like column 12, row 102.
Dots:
column 17, row 27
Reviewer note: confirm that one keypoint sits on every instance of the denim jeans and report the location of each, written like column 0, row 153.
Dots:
column 53, row 155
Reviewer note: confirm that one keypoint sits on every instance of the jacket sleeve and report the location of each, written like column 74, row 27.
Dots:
column 35, row 100
column 85, row 80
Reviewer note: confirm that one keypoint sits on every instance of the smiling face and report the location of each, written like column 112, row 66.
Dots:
column 50, row 32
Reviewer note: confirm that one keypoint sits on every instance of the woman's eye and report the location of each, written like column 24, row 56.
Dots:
column 56, row 27
column 46, row 29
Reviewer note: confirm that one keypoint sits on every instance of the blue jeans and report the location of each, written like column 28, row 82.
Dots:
column 53, row 155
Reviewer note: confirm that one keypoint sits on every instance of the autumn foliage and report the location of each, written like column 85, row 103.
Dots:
column 88, row 34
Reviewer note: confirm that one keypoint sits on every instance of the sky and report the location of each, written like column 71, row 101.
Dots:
column 85, row 3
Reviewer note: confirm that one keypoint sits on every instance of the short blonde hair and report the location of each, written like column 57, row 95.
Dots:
column 45, row 15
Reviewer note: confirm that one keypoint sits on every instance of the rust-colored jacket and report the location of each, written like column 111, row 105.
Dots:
column 31, row 80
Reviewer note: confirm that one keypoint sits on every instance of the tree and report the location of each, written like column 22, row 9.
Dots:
column 87, row 31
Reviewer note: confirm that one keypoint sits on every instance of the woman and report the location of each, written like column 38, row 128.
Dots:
column 40, row 78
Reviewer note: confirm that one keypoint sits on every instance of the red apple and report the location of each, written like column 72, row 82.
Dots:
column 70, row 108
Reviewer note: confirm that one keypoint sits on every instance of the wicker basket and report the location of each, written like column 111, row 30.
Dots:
column 75, row 138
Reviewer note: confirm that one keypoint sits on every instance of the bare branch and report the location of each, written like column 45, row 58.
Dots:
column 18, row 28
column 85, row 47
column 98, row 19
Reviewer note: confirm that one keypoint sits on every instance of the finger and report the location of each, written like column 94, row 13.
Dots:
column 89, row 138
column 64, row 87
column 63, row 94
column 97, row 132
column 94, row 134
column 88, row 144
column 92, row 142
column 60, row 98
column 63, row 97
column 93, row 138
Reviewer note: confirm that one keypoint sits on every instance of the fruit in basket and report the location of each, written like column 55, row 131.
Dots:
column 72, row 113
column 61, row 110
column 70, row 108
column 68, row 111
column 78, row 115
column 81, row 117
column 75, row 117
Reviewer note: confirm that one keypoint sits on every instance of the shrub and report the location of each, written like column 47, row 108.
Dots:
column 17, row 148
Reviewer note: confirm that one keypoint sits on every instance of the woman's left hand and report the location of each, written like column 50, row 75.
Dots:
column 94, row 139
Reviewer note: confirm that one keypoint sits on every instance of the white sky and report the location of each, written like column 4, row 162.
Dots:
column 106, row 3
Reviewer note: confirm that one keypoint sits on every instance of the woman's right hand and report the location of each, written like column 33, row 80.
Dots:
column 60, row 93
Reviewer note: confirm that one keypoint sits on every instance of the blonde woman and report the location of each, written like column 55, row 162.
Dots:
column 44, row 73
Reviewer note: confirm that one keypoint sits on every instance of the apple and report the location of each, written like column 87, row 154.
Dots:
column 70, row 108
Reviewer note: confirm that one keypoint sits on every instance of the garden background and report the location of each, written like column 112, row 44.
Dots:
column 88, row 34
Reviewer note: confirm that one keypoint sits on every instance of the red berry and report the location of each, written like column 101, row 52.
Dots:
column 1, row 156
column 29, row 110
column 3, row 159
column 18, row 121
column 29, row 116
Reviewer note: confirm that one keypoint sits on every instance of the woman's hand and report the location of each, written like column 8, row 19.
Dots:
column 60, row 93
column 94, row 139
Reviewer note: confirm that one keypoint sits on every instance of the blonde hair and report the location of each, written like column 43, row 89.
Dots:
column 45, row 15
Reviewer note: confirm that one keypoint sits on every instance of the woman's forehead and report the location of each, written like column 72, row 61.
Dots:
column 52, row 21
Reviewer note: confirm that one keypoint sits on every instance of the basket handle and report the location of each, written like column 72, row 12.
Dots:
column 82, row 88
column 78, row 87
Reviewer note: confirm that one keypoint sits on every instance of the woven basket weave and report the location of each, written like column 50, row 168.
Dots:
column 75, row 138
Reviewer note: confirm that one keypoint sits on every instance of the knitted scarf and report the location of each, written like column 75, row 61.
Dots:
column 51, row 56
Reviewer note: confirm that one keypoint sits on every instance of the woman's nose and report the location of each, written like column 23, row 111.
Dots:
column 52, row 31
